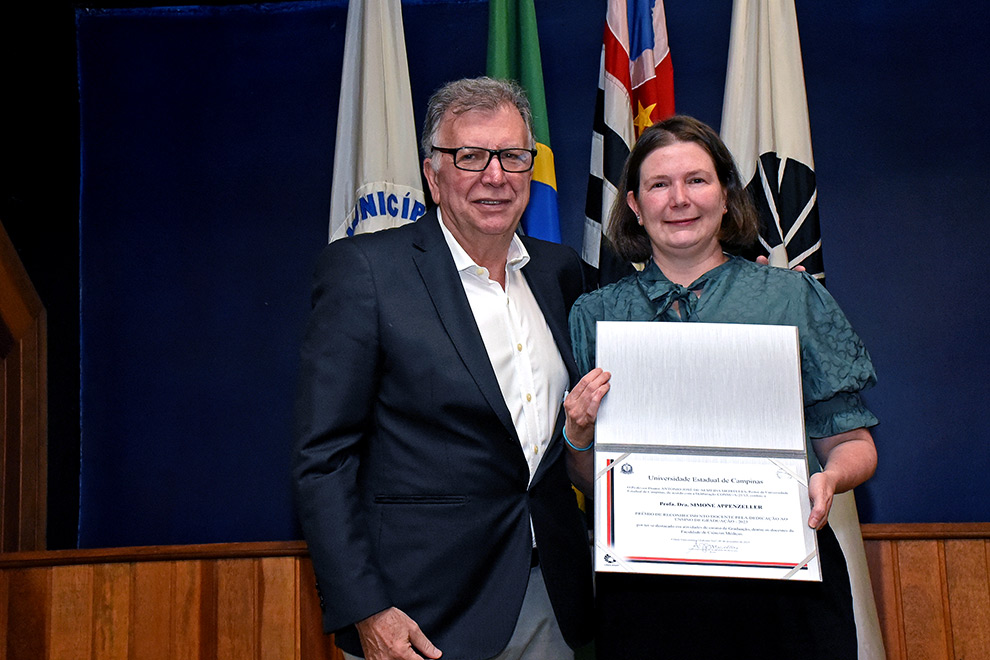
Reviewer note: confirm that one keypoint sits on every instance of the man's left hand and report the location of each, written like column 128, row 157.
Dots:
column 766, row 262
column 392, row 635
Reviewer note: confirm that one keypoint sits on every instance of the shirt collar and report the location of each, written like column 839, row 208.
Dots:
column 517, row 258
column 652, row 276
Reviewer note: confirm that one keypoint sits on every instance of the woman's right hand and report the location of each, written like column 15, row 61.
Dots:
column 581, row 407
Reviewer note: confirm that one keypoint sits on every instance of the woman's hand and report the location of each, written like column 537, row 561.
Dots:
column 581, row 407
column 821, row 489
column 848, row 459
column 581, row 410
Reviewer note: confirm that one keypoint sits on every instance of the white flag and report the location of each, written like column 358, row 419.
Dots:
column 376, row 167
column 765, row 125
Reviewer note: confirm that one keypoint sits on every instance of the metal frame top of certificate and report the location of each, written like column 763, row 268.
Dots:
column 700, row 452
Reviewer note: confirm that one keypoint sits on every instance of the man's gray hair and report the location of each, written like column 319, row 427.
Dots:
column 460, row 96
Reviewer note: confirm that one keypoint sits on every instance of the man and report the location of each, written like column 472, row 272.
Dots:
column 431, row 474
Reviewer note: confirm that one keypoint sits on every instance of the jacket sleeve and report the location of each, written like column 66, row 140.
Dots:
column 335, row 404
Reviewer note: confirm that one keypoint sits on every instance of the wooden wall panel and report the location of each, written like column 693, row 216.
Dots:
column 932, row 585
column 4, row 580
column 258, row 601
column 189, row 597
column 111, row 611
column 278, row 608
column 135, row 604
column 314, row 645
column 28, row 600
column 152, row 609
column 921, row 571
column 71, row 628
column 208, row 625
column 968, row 579
column 237, row 609
column 881, row 557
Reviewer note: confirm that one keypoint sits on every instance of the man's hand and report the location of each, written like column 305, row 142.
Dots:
column 392, row 635
column 766, row 262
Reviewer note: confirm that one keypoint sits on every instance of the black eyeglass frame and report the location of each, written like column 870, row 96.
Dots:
column 492, row 153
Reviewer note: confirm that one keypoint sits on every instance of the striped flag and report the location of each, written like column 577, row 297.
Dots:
column 514, row 54
column 376, row 170
column 635, row 90
column 765, row 125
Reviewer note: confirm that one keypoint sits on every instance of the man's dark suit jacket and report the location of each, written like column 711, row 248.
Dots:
column 411, row 485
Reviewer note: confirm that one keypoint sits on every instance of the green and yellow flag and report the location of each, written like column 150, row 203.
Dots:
column 514, row 54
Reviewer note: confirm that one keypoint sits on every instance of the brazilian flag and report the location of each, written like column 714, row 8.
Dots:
column 514, row 54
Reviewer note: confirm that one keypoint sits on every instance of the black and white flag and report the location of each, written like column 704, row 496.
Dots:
column 765, row 125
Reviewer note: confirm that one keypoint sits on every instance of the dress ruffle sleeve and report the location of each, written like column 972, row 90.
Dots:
column 835, row 367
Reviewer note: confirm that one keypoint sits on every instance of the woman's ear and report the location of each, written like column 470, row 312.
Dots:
column 634, row 205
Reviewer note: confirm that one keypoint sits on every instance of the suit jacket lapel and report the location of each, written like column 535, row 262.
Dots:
column 546, row 289
column 436, row 267
column 544, row 283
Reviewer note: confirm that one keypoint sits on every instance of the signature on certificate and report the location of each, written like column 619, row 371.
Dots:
column 709, row 546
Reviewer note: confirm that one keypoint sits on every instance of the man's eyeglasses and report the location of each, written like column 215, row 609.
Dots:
column 476, row 159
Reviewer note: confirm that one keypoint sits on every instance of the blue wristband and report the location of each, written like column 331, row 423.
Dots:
column 571, row 444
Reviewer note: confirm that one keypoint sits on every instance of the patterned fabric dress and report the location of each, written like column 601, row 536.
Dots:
column 647, row 616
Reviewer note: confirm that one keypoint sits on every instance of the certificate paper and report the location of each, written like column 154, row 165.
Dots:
column 700, row 459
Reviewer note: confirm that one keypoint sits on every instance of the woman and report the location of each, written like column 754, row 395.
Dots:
column 680, row 206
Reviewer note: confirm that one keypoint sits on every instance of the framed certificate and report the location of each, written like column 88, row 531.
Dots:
column 700, row 459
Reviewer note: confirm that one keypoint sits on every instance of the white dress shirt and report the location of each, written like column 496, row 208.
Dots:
column 527, row 364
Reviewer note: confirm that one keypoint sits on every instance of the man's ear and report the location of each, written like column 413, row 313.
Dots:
column 431, row 180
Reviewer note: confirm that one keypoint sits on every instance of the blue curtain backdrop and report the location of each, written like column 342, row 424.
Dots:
column 207, row 146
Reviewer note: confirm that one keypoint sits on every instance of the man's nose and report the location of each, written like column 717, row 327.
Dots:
column 493, row 172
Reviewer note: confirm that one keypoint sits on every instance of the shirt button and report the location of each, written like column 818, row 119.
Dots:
column 529, row 397
column 479, row 271
column 536, row 449
column 519, row 347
